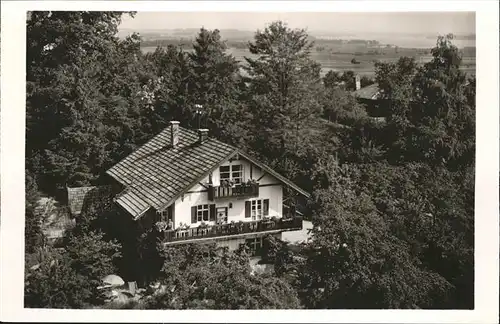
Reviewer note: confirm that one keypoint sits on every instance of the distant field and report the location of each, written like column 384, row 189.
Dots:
column 342, row 61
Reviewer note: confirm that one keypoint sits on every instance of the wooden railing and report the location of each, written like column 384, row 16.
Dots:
column 285, row 224
column 240, row 190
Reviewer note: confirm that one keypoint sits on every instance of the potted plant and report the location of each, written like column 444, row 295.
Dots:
column 161, row 226
column 251, row 182
column 239, row 226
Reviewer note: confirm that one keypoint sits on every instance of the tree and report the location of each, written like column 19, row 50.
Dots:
column 349, row 80
column 358, row 261
column 432, row 108
column 69, row 279
column 33, row 235
column 284, row 83
column 366, row 81
column 395, row 80
column 54, row 284
column 331, row 79
column 78, row 81
column 340, row 106
column 92, row 256
column 444, row 112
column 206, row 277
column 213, row 81
column 200, row 89
column 167, row 93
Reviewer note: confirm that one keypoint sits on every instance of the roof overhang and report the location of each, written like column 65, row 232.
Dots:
column 193, row 183
column 275, row 174
column 250, row 159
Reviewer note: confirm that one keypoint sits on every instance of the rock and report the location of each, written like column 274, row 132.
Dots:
column 113, row 280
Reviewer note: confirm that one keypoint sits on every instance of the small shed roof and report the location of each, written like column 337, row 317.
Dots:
column 76, row 197
column 79, row 197
column 371, row 92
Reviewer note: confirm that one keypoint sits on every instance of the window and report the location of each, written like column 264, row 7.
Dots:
column 225, row 172
column 256, row 208
column 237, row 173
column 202, row 213
column 255, row 245
column 232, row 172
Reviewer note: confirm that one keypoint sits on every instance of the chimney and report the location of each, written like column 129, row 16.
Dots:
column 202, row 135
column 174, row 133
column 358, row 82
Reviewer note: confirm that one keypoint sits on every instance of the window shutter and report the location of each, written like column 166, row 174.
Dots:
column 193, row 214
column 248, row 207
column 211, row 192
column 170, row 215
column 212, row 213
column 266, row 207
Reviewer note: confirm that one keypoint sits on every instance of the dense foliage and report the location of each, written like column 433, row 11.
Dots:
column 212, row 278
column 393, row 202
column 70, row 278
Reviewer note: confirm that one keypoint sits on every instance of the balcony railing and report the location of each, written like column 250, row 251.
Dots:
column 239, row 190
column 284, row 224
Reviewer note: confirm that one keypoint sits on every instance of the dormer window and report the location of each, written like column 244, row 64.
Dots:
column 232, row 173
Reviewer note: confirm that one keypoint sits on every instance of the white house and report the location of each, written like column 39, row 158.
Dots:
column 194, row 188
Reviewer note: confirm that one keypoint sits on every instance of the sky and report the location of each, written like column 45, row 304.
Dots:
column 338, row 22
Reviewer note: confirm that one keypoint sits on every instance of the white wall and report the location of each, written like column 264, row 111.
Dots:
column 256, row 173
column 237, row 212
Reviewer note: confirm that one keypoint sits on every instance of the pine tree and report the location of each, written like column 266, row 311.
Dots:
column 284, row 83
column 81, row 96
column 213, row 81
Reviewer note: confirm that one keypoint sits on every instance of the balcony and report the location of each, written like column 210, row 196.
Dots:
column 232, row 229
column 239, row 190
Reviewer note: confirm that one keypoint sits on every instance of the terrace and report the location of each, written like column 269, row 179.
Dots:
column 232, row 229
column 239, row 190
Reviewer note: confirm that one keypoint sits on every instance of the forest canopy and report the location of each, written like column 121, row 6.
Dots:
column 392, row 204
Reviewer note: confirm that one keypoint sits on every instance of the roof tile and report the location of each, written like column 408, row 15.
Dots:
column 156, row 172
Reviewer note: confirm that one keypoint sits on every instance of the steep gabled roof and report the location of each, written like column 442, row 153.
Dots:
column 157, row 174
column 274, row 173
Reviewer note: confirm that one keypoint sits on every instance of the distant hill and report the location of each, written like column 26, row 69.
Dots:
column 187, row 33
column 239, row 38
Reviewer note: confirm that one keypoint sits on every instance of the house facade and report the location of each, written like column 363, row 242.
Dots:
column 194, row 188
